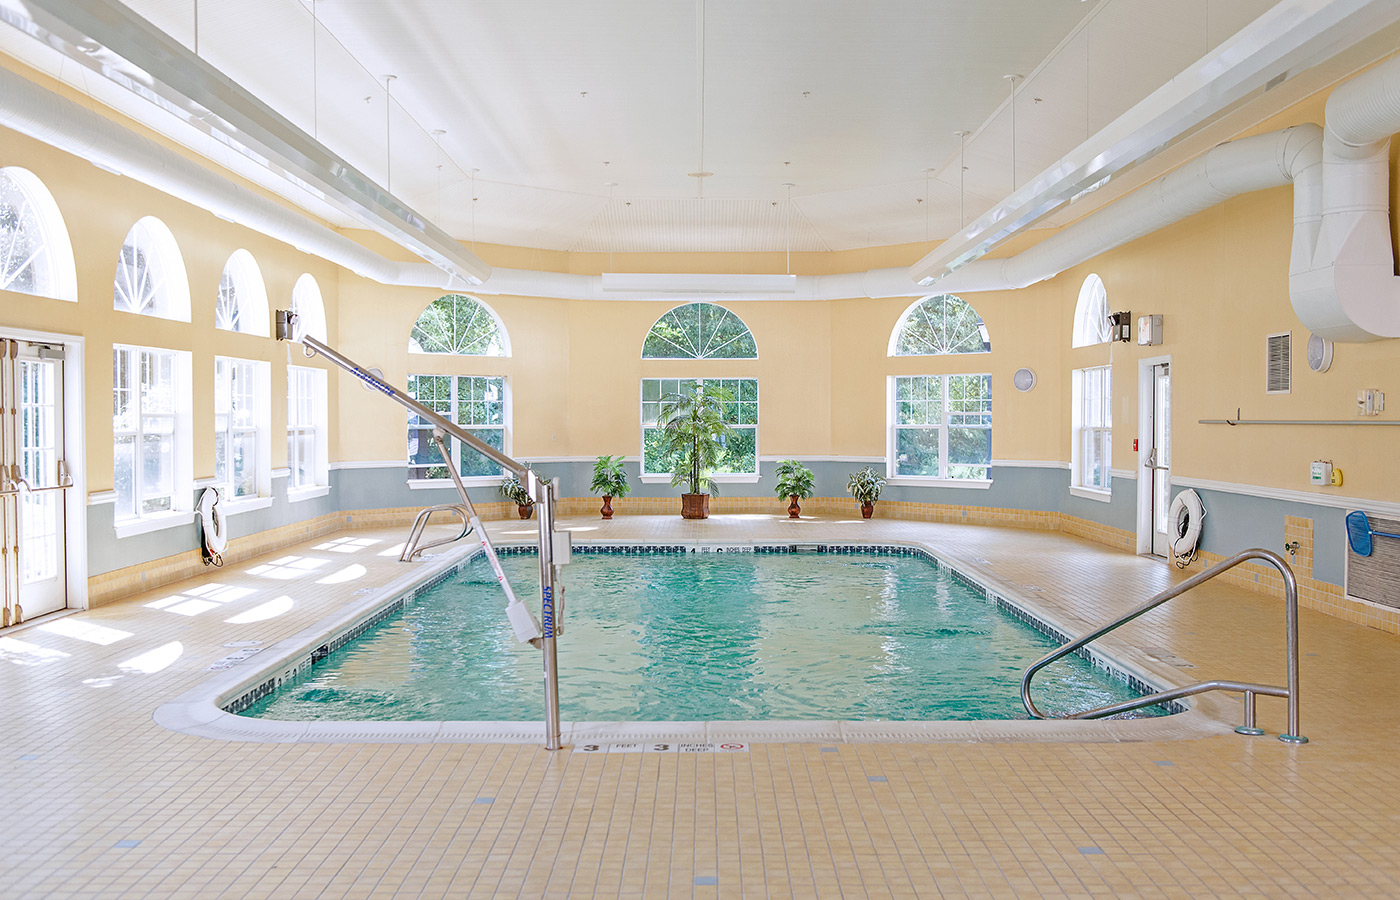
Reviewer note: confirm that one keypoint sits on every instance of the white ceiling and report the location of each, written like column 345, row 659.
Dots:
column 855, row 105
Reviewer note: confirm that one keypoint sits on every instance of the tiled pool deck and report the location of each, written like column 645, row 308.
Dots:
column 103, row 802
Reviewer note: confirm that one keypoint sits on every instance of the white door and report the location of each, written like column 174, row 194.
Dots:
column 34, row 480
column 1159, row 455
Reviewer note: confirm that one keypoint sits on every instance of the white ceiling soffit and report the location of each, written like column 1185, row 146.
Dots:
column 1292, row 35
column 699, row 226
column 114, row 41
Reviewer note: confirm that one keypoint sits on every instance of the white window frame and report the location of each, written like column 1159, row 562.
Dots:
column 132, row 521
column 169, row 284
column 55, row 274
column 1091, row 314
column 1087, row 387
column 307, row 413
column 256, row 397
column 720, row 477
column 454, row 446
column 943, row 479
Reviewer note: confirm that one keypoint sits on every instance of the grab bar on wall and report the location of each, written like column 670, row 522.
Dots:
column 1250, row 691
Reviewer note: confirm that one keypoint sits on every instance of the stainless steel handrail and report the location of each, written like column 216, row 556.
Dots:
column 1290, row 588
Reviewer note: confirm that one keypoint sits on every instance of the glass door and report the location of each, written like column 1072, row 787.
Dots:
column 33, row 481
column 1159, row 457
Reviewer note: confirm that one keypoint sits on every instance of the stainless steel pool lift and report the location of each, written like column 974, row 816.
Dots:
column 1290, row 588
column 553, row 546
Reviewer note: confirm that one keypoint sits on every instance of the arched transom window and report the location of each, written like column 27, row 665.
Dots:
column 242, row 303
column 458, row 324
column 939, row 325
column 151, row 279
column 1091, row 314
column 36, row 256
column 699, row 331
column 310, row 308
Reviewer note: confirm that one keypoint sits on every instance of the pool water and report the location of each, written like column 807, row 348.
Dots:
column 700, row 636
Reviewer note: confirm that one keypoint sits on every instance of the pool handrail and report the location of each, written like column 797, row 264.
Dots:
column 1290, row 587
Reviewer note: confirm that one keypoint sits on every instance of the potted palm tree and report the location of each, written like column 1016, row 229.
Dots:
column 865, row 486
column 692, row 434
column 610, row 480
column 513, row 490
column 795, row 481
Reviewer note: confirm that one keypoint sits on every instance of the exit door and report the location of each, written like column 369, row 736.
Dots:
column 33, row 480
column 1159, row 454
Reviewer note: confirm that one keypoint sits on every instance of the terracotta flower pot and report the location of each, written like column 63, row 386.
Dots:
column 607, row 506
column 867, row 509
column 794, row 511
column 526, row 510
column 695, row 506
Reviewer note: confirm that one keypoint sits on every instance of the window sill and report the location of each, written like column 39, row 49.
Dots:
column 432, row 484
column 234, row 507
column 978, row 484
column 1103, row 495
column 155, row 522
column 296, row 495
column 719, row 479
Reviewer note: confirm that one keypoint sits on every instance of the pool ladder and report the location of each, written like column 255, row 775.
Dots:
column 1250, row 691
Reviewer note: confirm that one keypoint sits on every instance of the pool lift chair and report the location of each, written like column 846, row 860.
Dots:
column 554, row 546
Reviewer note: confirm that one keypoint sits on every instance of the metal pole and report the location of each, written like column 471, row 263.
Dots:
column 1290, row 597
column 543, row 492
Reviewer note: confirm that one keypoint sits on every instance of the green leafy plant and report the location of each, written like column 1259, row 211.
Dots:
column 795, row 480
column 514, row 491
column 693, row 432
column 865, row 485
column 609, row 478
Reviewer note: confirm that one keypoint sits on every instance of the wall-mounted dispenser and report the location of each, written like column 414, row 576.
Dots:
column 1370, row 402
column 1149, row 331
column 1324, row 474
column 1120, row 326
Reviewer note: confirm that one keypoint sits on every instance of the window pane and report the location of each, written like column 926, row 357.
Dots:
column 940, row 325
column 916, row 451
column 740, row 452
column 124, row 471
column 699, row 331
column 245, row 471
column 473, row 463
column 969, row 446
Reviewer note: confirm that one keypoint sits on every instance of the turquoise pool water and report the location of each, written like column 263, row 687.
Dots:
column 684, row 637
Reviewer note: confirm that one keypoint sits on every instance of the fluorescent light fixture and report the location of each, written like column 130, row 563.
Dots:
column 659, row 283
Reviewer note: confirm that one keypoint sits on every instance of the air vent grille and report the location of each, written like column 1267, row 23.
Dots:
column 1280, row 364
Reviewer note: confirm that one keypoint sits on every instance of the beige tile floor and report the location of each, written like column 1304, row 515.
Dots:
column 99, row 801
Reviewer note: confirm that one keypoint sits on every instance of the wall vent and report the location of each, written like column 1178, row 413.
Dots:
column 1280, row 366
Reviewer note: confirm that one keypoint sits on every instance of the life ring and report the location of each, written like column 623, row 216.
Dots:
column 214, row 527
column 1186, row 513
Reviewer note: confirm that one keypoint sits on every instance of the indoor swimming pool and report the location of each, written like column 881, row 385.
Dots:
column 884, row 634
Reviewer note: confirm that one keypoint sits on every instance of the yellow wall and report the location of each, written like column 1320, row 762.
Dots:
column 1219, row 279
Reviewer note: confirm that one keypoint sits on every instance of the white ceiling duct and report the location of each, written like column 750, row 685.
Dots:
column 1343, row 285
column 45, row 116
column 1237, row 167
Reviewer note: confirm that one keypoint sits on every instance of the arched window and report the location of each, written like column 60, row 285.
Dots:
column 938, row 325
column 699, row 331
column 242, row 304
column 36, row 256
column 459, row 324
column 1091, row 314
column 310, row 308
column 151, row 279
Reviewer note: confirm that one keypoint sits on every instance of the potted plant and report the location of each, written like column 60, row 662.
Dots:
column 610, row 480
column 692, row 434
column 796, row 482
column 513, row 490
column 865, row 486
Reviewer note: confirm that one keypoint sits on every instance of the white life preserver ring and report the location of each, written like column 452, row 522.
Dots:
column 1185, row 515
column 213, row 524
